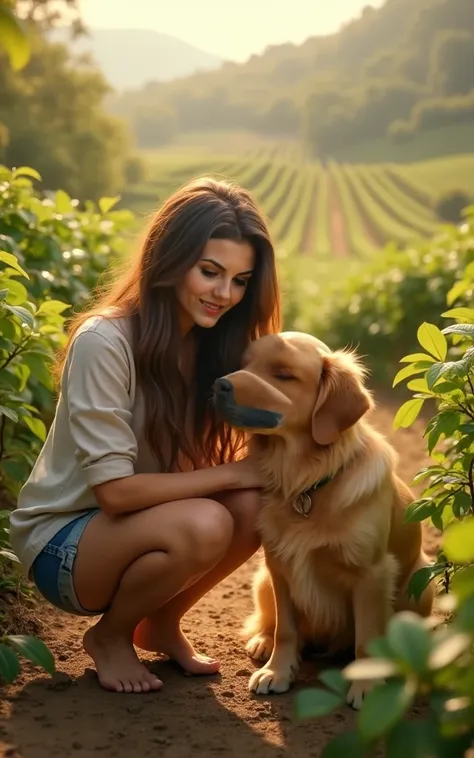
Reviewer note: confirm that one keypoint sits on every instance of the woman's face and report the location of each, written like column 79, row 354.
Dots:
column 216, row 283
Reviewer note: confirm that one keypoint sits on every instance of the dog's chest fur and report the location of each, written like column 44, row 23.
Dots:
column 324, row 555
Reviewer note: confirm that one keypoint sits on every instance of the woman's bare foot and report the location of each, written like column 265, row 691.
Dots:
column 118, row 667
column 167, row 638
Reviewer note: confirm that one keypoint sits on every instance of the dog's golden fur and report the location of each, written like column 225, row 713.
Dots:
column 335, row 577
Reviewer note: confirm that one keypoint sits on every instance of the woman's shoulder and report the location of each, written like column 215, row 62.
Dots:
column 110, row 326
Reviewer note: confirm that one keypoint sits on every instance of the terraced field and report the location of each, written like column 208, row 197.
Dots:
column 334, row 211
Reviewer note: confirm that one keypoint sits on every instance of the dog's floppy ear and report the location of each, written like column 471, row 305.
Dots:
column 342, row 399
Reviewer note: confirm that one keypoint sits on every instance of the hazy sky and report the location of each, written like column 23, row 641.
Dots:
column 231, row 30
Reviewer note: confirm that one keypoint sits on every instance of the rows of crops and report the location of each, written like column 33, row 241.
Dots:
column 321, row 210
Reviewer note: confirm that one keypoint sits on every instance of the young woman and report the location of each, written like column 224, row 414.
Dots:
column 141, row 500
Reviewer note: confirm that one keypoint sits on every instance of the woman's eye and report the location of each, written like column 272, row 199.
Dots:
column 208, row 273
column 241, row 282
column 284, row 376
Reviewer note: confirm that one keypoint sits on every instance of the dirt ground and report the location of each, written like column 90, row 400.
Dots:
column 70, row 715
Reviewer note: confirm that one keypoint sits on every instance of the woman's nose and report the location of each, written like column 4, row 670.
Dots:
column 223, row 290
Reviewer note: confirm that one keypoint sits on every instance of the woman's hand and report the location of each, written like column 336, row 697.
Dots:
column 246, row 474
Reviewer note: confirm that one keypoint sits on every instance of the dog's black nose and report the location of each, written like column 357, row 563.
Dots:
column 222, row 385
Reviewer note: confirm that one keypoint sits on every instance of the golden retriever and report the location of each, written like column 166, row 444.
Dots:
column 337, row 554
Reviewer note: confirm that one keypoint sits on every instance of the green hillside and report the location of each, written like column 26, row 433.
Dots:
column 338, row 210
column 395, row 84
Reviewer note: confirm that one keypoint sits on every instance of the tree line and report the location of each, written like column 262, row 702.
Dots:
column 395, row 72
column 52, row 113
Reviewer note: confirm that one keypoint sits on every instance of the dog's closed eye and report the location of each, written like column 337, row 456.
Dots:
column 284, row 375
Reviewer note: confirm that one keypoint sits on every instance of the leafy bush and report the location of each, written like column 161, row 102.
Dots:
column 51, row 255
column 64, row 250
column 375, row 309
column 433, row 658
column 450, row 206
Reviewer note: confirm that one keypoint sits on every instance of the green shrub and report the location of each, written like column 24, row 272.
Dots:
column 52, row 253
column 376, row 309
column 431, row 658
column 450, row 206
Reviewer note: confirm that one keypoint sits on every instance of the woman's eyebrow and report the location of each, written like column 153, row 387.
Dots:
column 223, row 268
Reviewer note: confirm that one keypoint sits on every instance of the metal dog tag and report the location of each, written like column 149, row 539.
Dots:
column 303, row 504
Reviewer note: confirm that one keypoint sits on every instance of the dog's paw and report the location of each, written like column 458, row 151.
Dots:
column 357, row 692
column 260, row 647
column 267, row 681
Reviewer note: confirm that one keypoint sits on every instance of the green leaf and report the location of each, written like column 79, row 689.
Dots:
column 9, row 554
column 22, row 314
column 458, row 289
column 26, row 171
column 39, row 368
column 422, row 578
column 9, row 663
column 419, row 385
column 411, row 739
column 379, row 648
column 315, row 702
column 459, row 541
column 465, row 314
column 462, row 583
column 36, row 426
column 334, row 679
column 433, row 340
column 9, row 413
column 424, row 473
column 369, row 668
column 436, row 371
column 11, row 260
column 14, row 39
column 466, row 330
column 17, row 293
column 410, row 641
column 420, row 510
column 344, row 745
column 63, row 202
column 34, row 650
column 408, row 413
column 383, row 707
column 449, row 650
column 107, row 203
column 52, row 306
column 462, row 504
column 465, row 616
column 413, row 368
column 415, row 357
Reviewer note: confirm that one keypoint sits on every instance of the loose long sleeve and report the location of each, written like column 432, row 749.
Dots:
column 96, row 386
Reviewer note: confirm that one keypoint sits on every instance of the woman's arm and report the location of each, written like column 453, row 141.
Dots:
column 95, row 383
column 134, row 493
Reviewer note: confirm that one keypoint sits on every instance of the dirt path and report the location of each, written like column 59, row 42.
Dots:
column 71, row 716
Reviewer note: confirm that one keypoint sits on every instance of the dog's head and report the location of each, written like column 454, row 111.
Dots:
column 293, row 383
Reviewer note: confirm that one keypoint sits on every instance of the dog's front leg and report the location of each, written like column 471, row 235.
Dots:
column 278, row 674
column 372, row 601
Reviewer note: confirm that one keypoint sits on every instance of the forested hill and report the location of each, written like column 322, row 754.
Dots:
column 395, row 71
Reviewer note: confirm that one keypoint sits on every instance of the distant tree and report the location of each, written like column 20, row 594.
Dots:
column 51, row 110
column 452, row 63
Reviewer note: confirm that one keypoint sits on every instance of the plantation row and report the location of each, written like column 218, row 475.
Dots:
column 336, row 209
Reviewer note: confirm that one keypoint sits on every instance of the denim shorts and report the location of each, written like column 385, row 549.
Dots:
column 52, row 568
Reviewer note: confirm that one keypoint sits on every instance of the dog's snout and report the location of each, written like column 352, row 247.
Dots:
column 222, row 385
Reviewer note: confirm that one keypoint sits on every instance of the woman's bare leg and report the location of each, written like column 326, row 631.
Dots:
column 160, row 631
column 136, row 563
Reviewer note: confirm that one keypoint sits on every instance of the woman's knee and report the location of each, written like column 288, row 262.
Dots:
column 207, row 533
column 244, row 507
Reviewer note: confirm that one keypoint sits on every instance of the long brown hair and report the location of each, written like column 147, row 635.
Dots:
column 202, row 209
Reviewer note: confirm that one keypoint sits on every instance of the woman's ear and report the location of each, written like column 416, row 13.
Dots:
column 342, row 400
